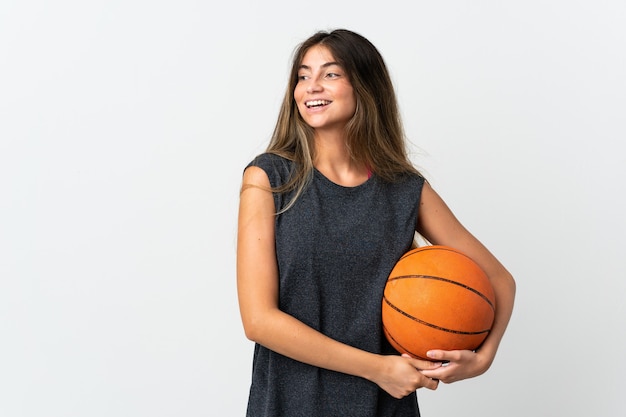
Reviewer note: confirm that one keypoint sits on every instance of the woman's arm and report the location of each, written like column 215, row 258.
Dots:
column 439, row 226
column 266, row 324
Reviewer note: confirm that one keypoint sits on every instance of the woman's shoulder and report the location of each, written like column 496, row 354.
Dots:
column 277, row 167
column 269, row 159
column 407, row 177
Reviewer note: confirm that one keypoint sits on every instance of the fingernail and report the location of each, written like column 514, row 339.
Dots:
column 430, row 354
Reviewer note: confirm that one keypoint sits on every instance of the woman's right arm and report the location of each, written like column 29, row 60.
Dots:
column 266, row 324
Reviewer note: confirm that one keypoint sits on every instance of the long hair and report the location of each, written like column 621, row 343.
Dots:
column 374, row 135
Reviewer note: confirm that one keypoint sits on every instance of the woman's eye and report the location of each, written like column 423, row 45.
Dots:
column 302, row 77
column 332, row 75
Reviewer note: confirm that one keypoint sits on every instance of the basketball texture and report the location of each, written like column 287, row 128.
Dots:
column 437, row 298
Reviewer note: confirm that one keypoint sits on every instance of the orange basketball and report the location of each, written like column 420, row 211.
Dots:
column 437, row 298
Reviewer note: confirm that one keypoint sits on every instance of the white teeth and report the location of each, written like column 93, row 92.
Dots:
column 315, row 103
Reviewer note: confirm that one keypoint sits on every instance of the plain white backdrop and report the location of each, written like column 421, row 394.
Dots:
column 124, row 130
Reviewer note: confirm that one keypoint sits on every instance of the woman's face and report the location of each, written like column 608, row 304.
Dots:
column 324, row 95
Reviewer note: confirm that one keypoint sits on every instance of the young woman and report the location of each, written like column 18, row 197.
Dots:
column 324, row 215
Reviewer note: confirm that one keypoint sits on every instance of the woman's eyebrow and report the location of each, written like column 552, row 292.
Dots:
column 325, row 65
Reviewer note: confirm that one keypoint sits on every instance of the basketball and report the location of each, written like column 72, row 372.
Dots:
column 437, row 298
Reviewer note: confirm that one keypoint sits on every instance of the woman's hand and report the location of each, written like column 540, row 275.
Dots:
column 401, row 375
column 457, row 365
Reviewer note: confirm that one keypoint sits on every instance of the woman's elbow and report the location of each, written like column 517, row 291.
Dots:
column 253, row 327
column 509, row 285
column 250, row 333
column 512, row 284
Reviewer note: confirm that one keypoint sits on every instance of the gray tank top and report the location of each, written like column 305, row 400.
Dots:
column 335, row 249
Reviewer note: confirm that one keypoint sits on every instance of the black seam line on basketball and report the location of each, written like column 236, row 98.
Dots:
column 434, row 326
column 481, row 295
column 402, row 346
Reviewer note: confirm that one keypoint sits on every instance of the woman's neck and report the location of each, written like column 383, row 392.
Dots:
column 333, row 160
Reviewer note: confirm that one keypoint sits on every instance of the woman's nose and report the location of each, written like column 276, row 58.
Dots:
column 313, row 86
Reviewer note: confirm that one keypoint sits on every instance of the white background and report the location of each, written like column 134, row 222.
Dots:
column 124, row 129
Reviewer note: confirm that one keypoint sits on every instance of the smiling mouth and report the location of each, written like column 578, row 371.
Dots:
column 316, row 103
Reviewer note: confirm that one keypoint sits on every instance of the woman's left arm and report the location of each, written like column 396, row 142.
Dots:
column 439, row 226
